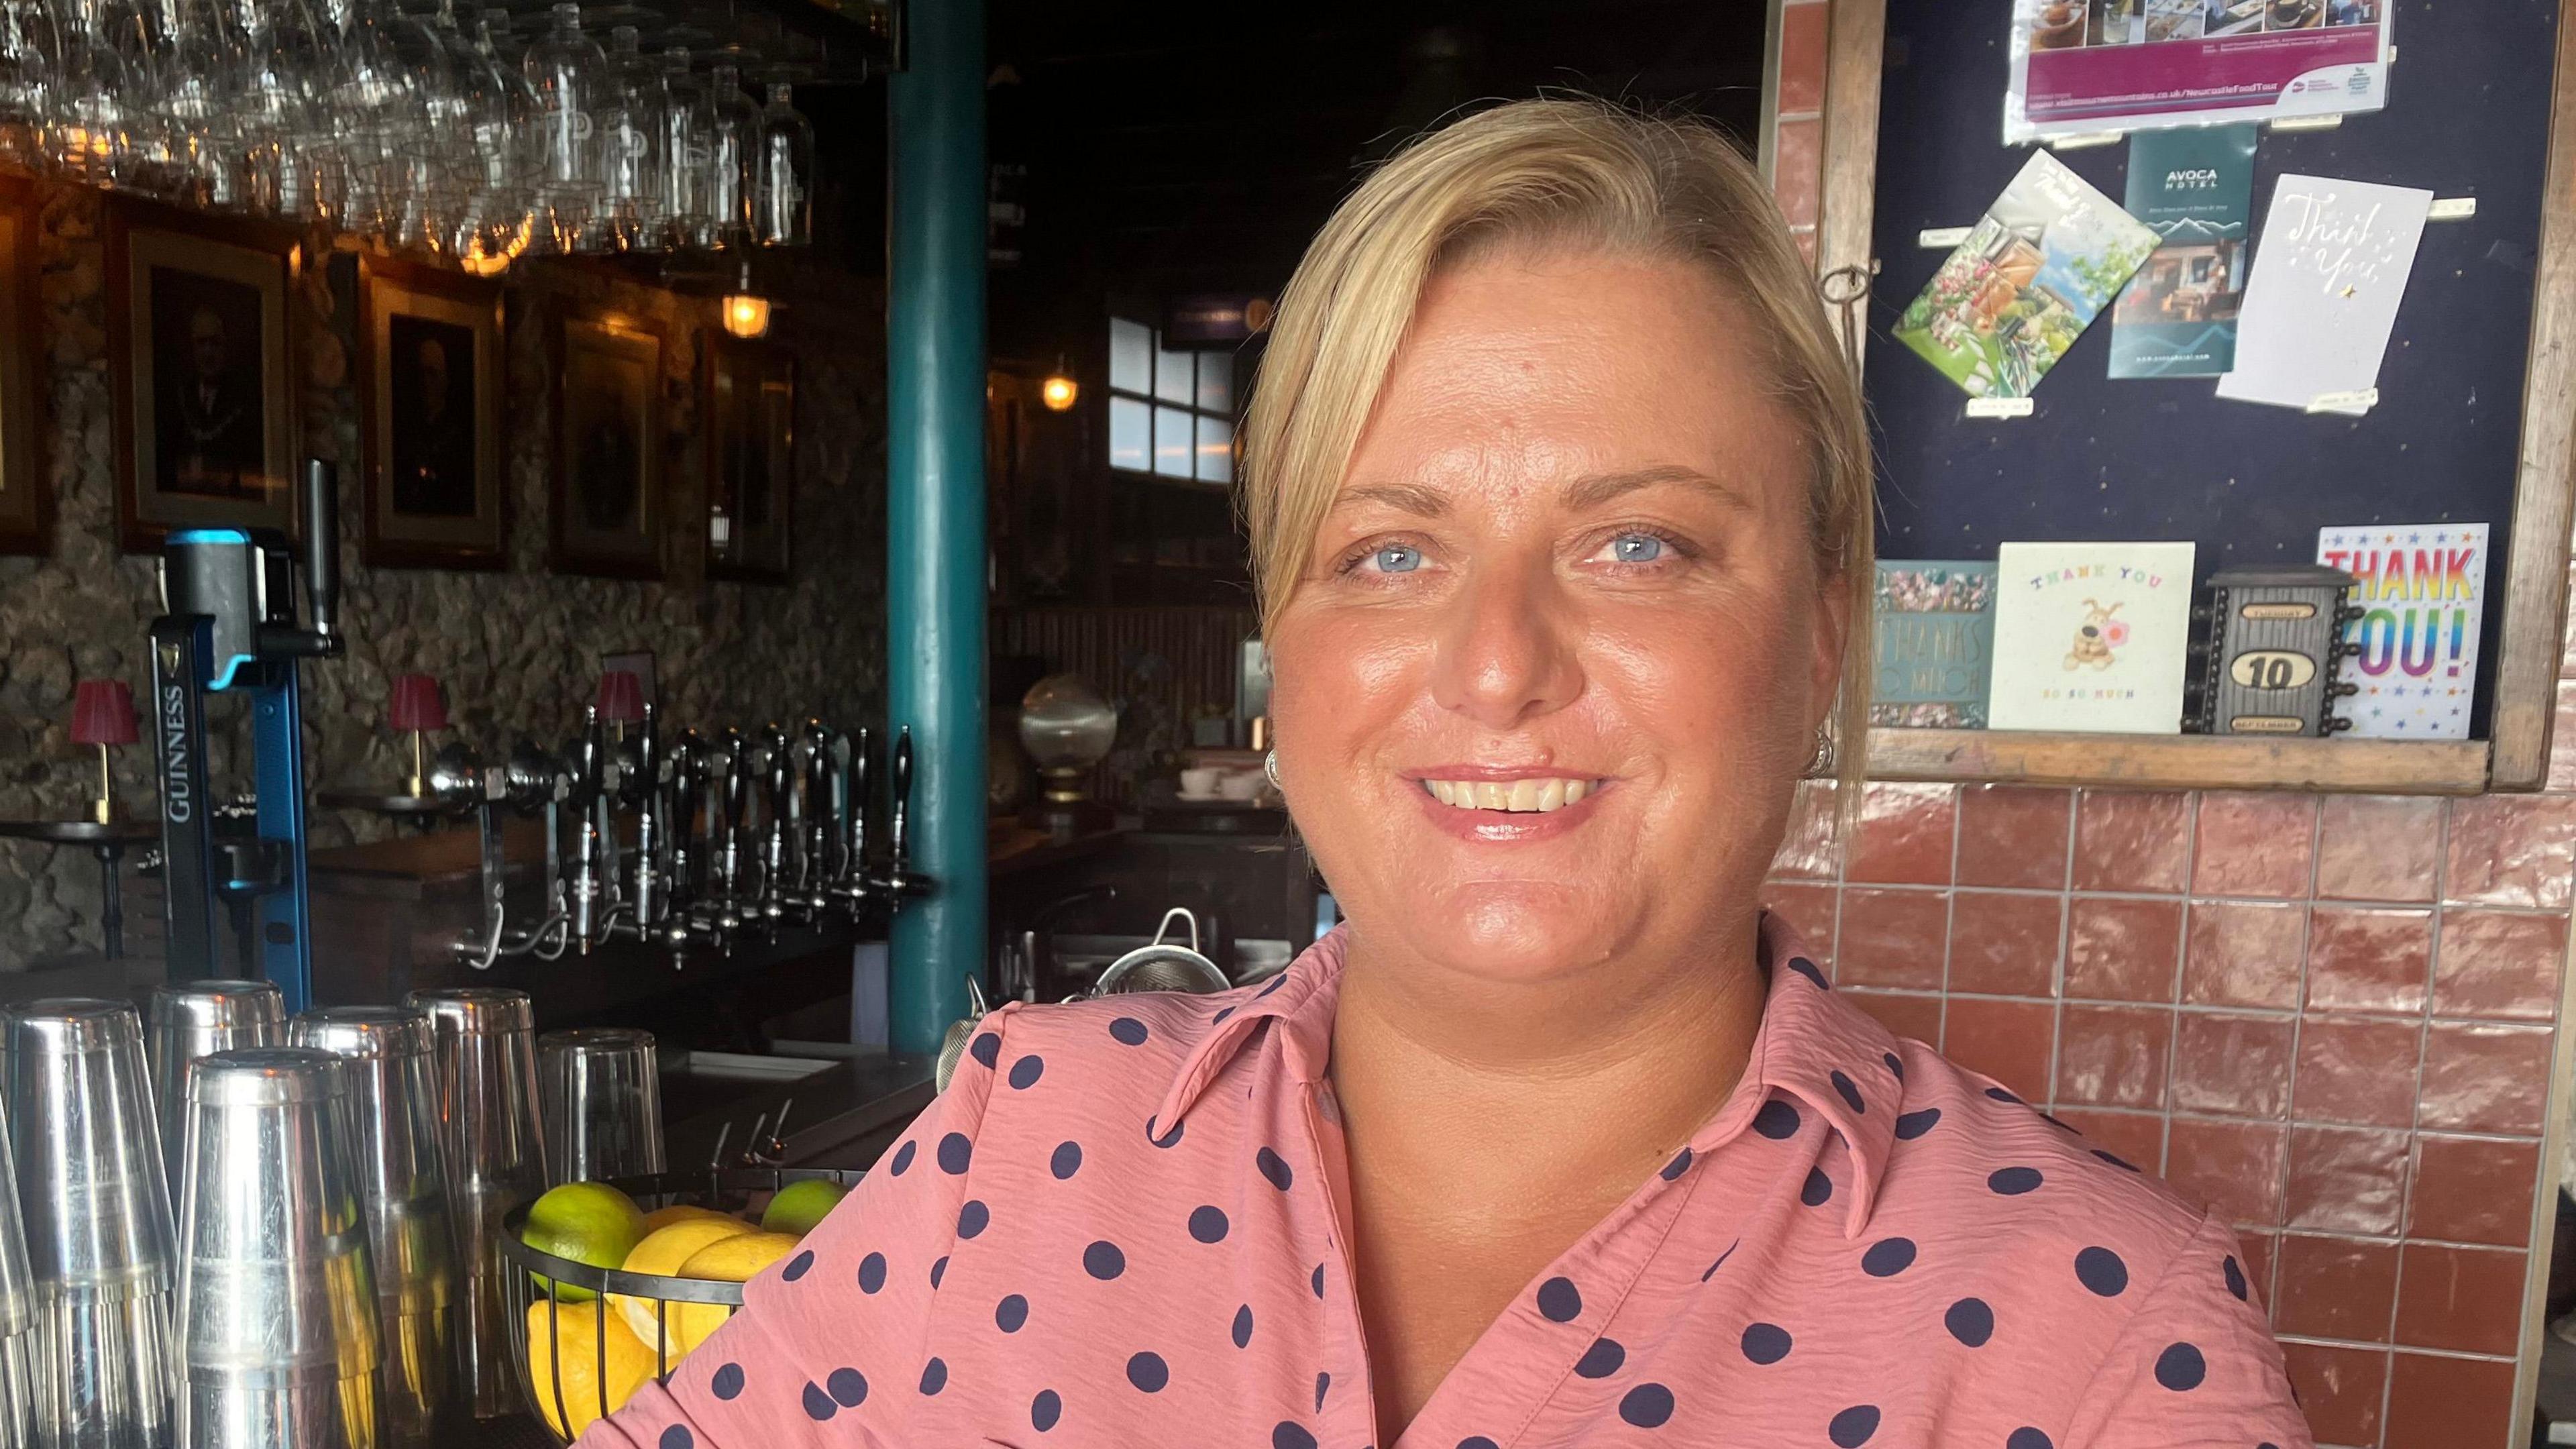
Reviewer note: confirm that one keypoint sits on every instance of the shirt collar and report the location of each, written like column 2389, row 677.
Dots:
column 1813, row 1045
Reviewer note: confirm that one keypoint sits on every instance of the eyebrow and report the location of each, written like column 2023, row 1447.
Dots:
column 1587, row 492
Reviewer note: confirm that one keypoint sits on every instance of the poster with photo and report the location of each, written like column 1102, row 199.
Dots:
column 2035, row 271
column 2087, row 66
column 2422, row 596
column 2177, row 316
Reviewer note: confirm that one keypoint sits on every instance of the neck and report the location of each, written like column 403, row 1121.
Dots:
column 1603, row 1071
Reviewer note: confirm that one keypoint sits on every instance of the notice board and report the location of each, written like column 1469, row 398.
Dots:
column 2467, row 116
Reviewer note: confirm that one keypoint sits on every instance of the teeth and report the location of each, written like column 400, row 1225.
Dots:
column 1520, row 796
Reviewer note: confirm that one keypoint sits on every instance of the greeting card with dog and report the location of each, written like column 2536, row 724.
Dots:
column 2091, row 636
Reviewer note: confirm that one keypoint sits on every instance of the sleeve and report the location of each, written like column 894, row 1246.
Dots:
column 2197, row 1367
column 828, row 1343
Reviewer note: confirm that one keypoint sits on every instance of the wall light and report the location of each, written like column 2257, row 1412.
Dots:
column 1058, row 391
column 746, row 314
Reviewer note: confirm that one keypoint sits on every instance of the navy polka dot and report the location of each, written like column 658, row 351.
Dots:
column 1895, row 1067
column 1647, row 1406
column 1318, row 1280
column 1679, row 1165
column 1819, row 1189
column 1323, row 1381
column 872, row 1272
column 1807, row 968
column 1477, row 1441
column 1970, row 1321
column 1103, row 1261
column 2000, row 1095
column 678, row 1437
column 1766, row 1343
column 1046, row 1408
column 1010, row 1313
column 1147, row 1371
column 934, row 1375
column 1243, row 1326
column 954, row 1153
column 1274, row 1169
column 1067, row 1160
column 2014, row 1181
column 727, row 1383
column 1128, row 1030
column 1208, row 1224
column 1850, row 1094
column 1888, row 1257
column 902, row 1160
column 798, row 1266
column 818, row 1404
column 938, row 1270
column 2101, row 1270
column 2114, row 1161
column 848, row 1387
column 2181, row 1368
column 1602, row 1359
column 1026, row 1071
column 1289, row 1435
column 1852, row 1427
column 2032, row 1439
column 1721, row 1260
column 1911, row 1125
column 1560, row 1300
column 1168, row 1139
column 2235, row 1277
column 1777, row 1120
column 987, row 1049
column 972, row 1218
column 1275, row 983
column 1221, row 1015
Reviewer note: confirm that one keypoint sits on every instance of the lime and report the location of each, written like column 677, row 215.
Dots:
column 800, row 1205
column 587, row 1222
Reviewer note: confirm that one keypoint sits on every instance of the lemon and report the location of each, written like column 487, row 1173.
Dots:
column 726, row 1260
column 662, row 1252
column 800, row 1205
column 586, row 1222
column 681, row 1212
column 575, row 1371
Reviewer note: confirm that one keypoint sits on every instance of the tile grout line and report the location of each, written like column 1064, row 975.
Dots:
column 2182, row 954
column 2415, row 1123
column 1950, row 904
column 2290, row 1102
column 2057, row 969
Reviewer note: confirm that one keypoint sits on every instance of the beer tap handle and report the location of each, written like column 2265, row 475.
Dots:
column 815, row 865
column 898, row 833
column 862, row 803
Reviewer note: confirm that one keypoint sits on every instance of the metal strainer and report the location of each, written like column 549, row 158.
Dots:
column 953, row 1045
column 1164, row 966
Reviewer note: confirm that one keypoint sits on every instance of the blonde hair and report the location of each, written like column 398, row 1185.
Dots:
column 1578, row 173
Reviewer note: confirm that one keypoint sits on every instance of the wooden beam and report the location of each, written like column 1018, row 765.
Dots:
column 2535, row 601
column 1855, row 42
column 2181, row 762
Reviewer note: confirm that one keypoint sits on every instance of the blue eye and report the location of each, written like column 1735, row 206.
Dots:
column 1637, row 548
column 1396, row 558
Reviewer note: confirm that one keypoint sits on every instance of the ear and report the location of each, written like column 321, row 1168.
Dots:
column 1832, row 631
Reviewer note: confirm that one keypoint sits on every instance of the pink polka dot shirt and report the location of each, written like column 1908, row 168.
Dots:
column 1122, row 1225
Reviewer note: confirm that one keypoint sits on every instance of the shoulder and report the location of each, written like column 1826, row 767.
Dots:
column 1114, row 1055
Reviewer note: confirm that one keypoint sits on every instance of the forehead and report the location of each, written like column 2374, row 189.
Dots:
column 1537, row 366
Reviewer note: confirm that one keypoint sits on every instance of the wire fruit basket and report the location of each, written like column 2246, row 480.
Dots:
column 576, row 1378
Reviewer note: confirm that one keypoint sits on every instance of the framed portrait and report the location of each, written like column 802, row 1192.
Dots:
column 429, row 409
column 607, row 494
column 26, row 497
column 751, row 459
column 202, row 371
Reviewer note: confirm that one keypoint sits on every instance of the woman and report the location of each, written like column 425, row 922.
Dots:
column 1559, row 505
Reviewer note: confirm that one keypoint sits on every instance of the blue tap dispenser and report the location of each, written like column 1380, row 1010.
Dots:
column 229, row 626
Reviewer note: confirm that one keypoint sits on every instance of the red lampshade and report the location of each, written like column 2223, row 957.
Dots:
column 102, row 712
column 621, row 697
column 417, row 704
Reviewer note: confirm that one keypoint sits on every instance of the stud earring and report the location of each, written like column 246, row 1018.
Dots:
column 1823, row 759
column 1270, row 767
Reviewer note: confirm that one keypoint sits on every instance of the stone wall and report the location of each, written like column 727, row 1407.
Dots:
column 518, row 650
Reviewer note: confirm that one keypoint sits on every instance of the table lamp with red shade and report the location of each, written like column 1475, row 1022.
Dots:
column 621, row 700
column 103, row 715
column 419, row 707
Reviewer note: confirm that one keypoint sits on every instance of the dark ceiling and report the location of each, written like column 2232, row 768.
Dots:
column 1173, row 148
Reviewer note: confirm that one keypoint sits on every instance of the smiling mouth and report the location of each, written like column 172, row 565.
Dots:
column 1531, row 796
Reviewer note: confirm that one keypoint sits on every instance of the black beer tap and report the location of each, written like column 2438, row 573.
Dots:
column 688, row 787
column 735, row 806
column 899, row 880
column 643, row 789
column 588, row 765
column 775, row 879
column 813, row 866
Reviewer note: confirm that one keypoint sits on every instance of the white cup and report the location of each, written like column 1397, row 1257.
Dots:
column 1200, row 782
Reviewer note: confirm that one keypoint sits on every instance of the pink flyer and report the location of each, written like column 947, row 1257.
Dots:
column 2082, row 66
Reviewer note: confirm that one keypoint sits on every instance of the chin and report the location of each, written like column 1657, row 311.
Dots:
column 1518, row 931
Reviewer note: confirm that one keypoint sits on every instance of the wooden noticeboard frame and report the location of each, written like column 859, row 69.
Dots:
column 2534, row 549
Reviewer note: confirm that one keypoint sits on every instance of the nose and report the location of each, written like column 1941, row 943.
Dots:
column 1506, row 654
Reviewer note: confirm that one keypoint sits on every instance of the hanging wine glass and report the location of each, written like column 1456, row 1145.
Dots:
column 30, row 85
column 733, row 139
column 566, row 72
column 782, row 201
column 685, row 154
column 628, row 125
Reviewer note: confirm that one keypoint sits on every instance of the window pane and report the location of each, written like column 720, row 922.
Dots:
column 1216, row 382
column 1172, row 375
column 1216, row 450
column 1131, row 356
column 1127, row 427
column 1172, row 442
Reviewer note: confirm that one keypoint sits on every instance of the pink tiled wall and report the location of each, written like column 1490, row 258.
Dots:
column 2331, row 1016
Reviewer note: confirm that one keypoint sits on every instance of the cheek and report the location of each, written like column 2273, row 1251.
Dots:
column 1335, row 675
column 1728, row 679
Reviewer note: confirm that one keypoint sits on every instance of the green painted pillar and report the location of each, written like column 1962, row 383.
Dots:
column 935, row 504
